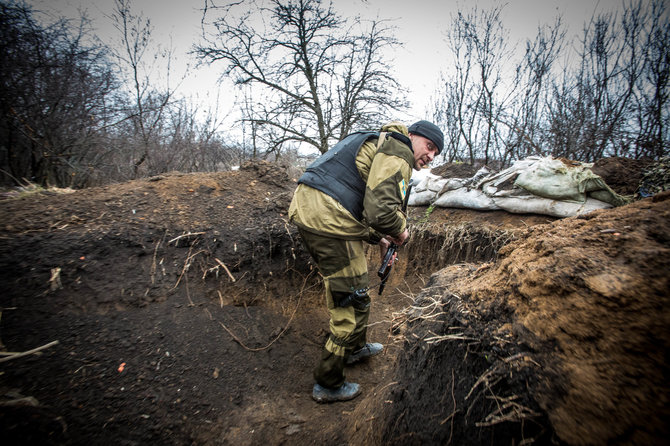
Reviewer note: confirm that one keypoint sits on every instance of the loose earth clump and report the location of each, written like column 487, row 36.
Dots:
column 182, row 309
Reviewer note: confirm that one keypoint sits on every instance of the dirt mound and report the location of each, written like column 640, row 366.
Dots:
column 564, row 339
column 456, row 170
column 166, row 296
column 623, row 175
column 235, row 217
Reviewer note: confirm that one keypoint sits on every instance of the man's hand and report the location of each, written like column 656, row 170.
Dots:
column 385, row 242
column 399, row 239
column 383, row 247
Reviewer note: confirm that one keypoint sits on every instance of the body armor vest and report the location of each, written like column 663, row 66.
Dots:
column 334, row 173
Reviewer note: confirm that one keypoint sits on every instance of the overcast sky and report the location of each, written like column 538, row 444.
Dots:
column 421, row 26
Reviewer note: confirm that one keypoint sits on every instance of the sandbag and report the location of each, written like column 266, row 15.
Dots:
column 426, row 187
column 466, row 199
column 537, row 205
column 538, row 185
column 552, row 178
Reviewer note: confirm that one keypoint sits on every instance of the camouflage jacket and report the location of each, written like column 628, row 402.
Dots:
column 385, row 165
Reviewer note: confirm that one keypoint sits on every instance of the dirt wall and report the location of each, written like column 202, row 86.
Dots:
column 564, row 339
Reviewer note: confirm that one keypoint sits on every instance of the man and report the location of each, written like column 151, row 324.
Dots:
column 353, row 194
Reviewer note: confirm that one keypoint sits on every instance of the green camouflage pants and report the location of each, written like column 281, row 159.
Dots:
column 344, row 268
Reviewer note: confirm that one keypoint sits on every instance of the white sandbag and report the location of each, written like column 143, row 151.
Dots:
column 491, row 183
column 419, row 175
column 453, row 184
column 537, row 185
column 467, row 199
column 427, row 181
column 425, row 187
column 421, row 198
column 471, row 183
column 531, row 204
column 552, row 178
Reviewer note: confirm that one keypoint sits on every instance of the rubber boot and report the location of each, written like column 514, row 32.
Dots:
column 345, row 392
column 370, row 349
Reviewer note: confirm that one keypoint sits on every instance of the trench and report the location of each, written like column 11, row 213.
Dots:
column 435, row 394
column 176, row 294
column 282, row 268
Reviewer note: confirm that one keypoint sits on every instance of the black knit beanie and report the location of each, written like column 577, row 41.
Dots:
column 430, row 131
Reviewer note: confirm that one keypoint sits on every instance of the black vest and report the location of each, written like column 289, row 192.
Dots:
column 335, row 173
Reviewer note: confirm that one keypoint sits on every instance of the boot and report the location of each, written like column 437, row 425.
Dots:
column 345, row 392
column 370, row 349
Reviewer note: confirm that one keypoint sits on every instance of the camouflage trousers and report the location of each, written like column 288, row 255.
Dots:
column 344, row 268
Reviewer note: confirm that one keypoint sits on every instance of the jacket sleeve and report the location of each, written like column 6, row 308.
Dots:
column 386, row 187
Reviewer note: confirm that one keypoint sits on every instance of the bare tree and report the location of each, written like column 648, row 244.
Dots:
column 527, row 116
column 475, row 93
column 55, row 90
column 591, row 110
column 316, row 78
column 191, row 140
column 448, row 112
column 149, row 104
column 652, row 117
column 611, row 100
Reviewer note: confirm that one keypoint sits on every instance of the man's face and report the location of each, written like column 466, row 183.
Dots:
column 424, row 151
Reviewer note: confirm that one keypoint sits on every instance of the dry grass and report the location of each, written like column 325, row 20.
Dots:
column 30, row 190
column 464, row 242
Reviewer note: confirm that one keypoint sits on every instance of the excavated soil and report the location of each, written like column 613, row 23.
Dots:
column 182, row 309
